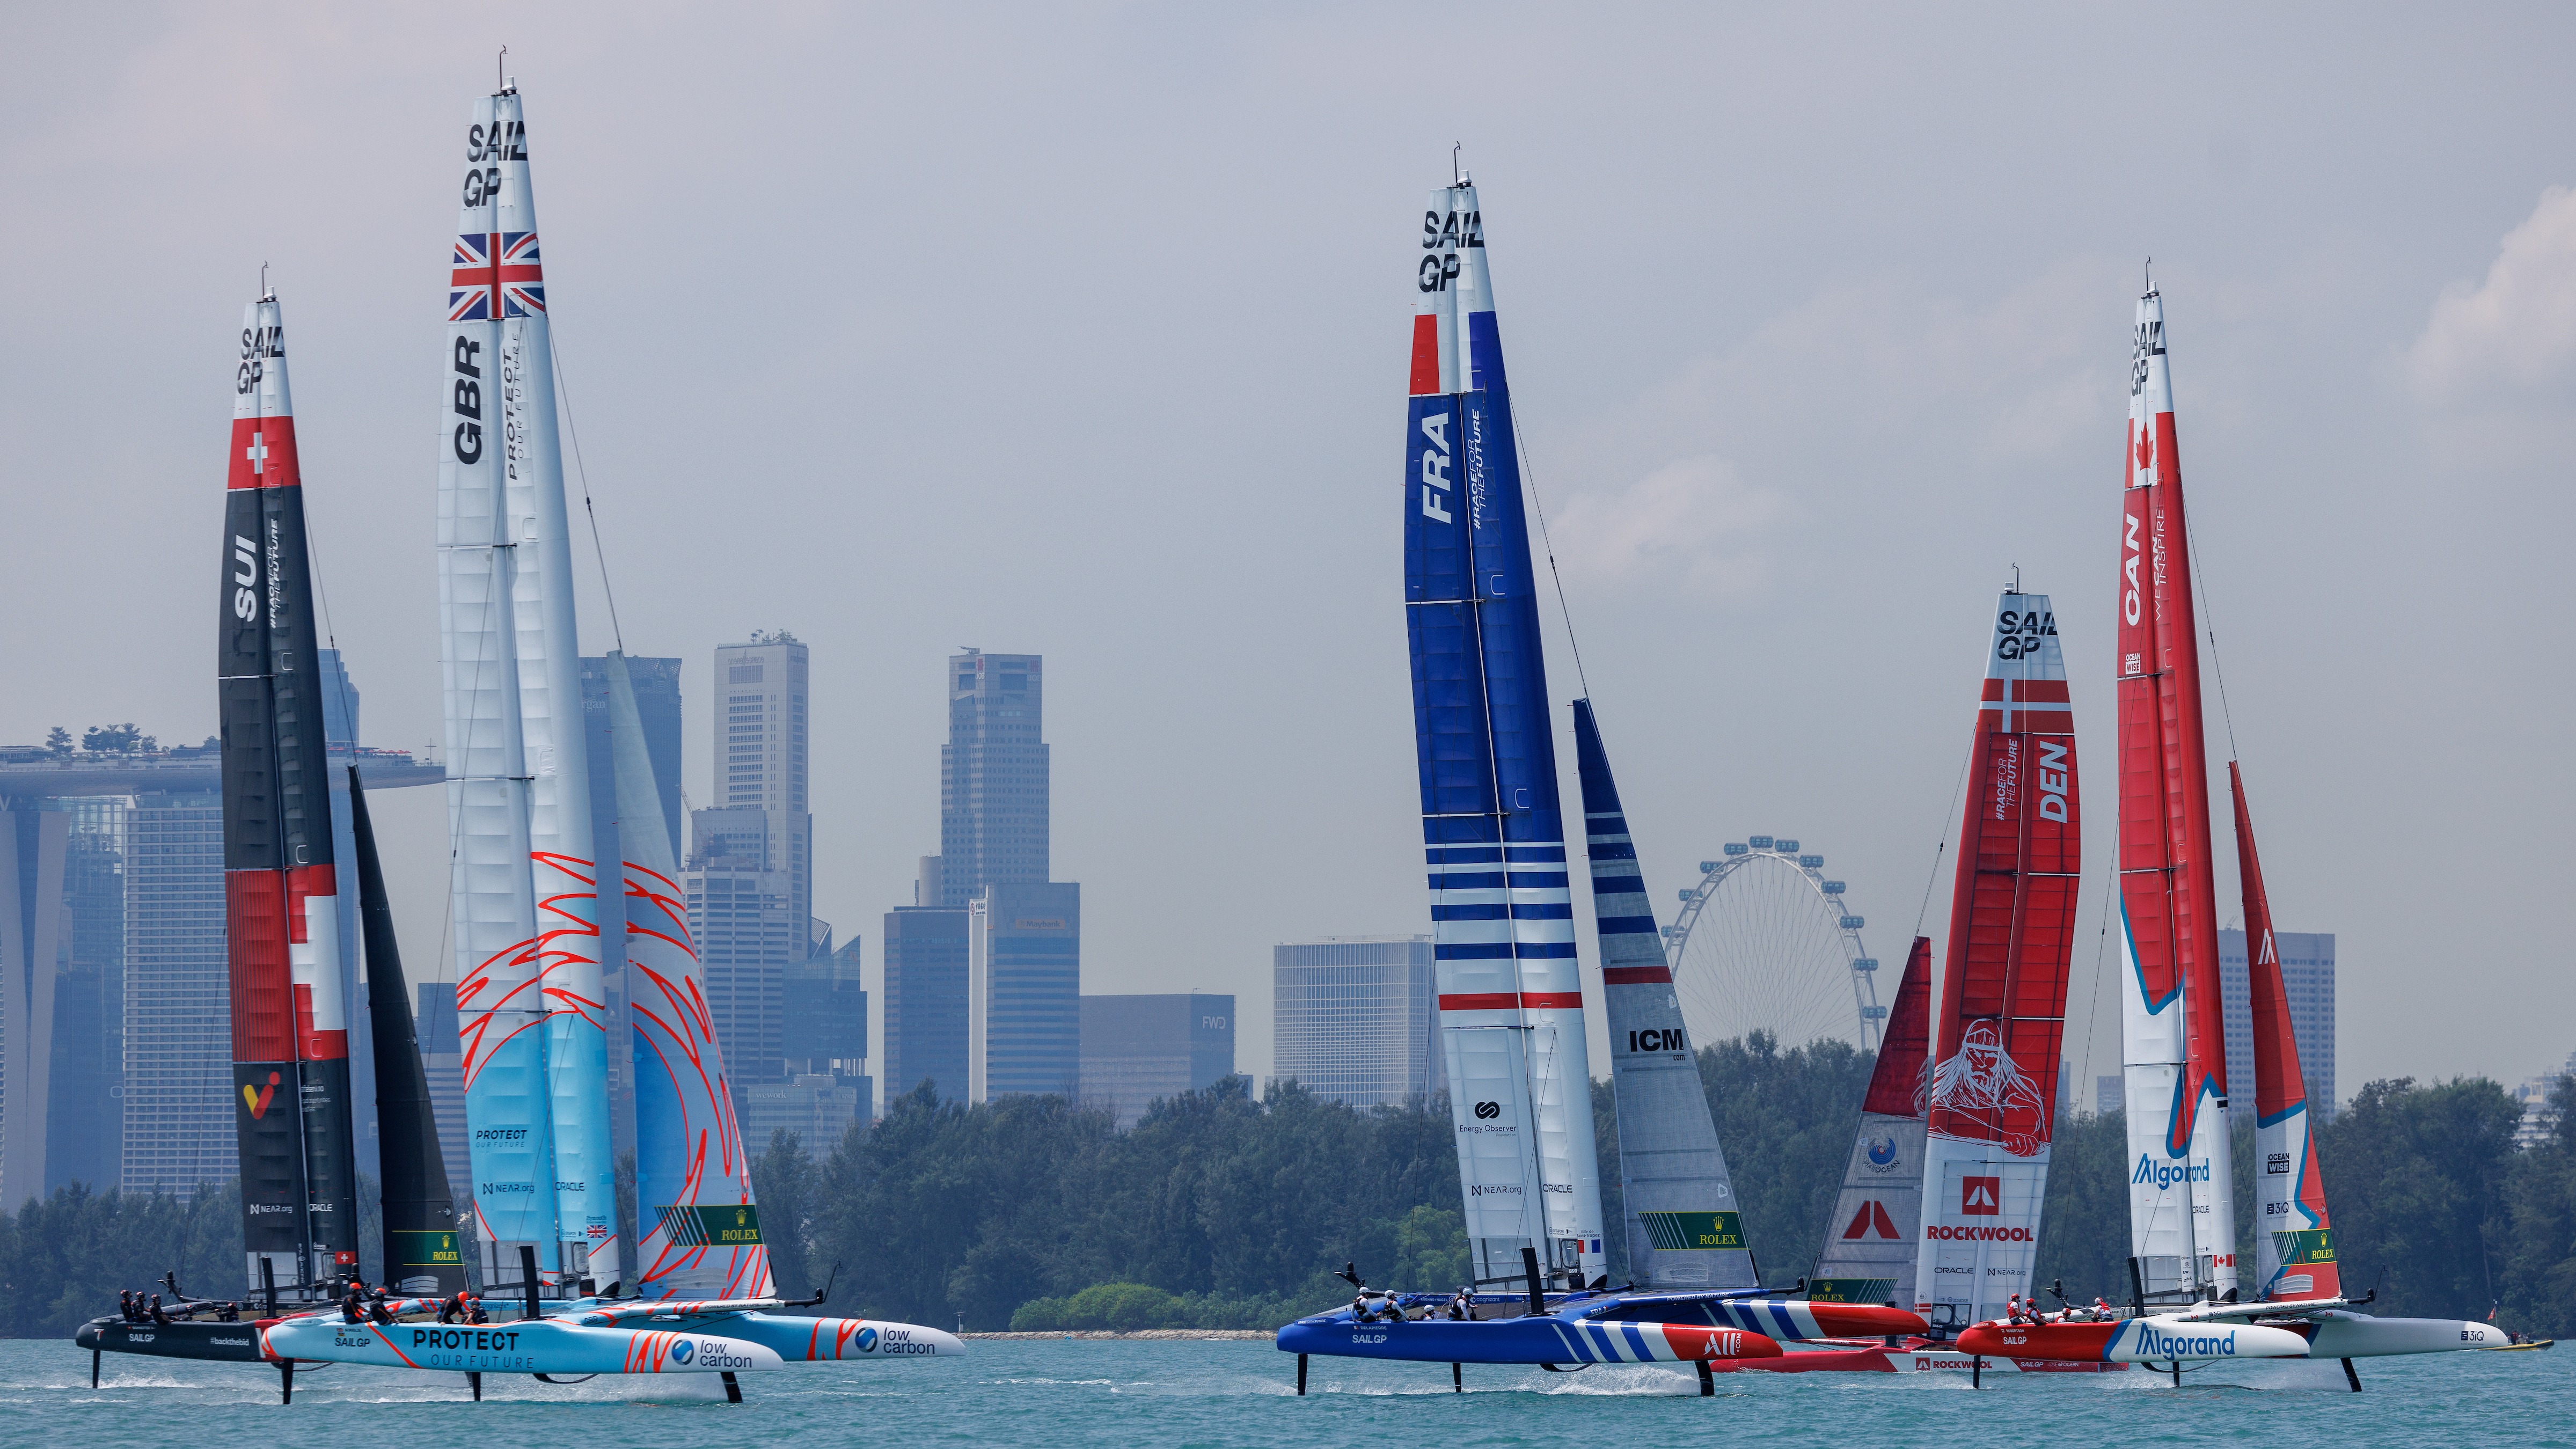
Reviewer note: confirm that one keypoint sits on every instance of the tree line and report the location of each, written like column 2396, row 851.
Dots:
column 1219, row 1210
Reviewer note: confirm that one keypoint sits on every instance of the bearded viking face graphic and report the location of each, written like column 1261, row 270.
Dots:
column 1982, row 1095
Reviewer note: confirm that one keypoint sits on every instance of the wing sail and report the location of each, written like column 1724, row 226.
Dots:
column 1873, row 1234
column 2294, row 1253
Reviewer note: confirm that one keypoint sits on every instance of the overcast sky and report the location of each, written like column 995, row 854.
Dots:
column 1081, row 330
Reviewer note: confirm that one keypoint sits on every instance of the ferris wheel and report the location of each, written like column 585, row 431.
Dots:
column 1766, row 941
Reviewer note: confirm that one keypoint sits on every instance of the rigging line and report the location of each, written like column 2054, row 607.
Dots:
column 2209, row 625
column 1529, row 480
column 1942, row 848
column 2093, row 1010
column 554, row 354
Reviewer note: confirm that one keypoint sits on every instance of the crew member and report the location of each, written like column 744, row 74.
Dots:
column 159, row 1315
column 1462, row 1304
column 125, row 1304
column 474, row 1312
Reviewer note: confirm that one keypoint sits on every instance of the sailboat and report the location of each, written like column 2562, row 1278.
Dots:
column 283, row 895
column 2185, row 1287
column 531, row 1021
column 1508, row 975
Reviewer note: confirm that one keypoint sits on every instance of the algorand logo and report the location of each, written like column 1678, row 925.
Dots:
column 2154, row 1342
column 2166, row 1174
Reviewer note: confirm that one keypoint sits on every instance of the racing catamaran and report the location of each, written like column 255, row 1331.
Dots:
column 2181, row 1200
column 529, row 997
column 1509, row 982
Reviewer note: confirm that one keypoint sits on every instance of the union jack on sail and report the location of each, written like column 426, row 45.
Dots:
column 496, row 274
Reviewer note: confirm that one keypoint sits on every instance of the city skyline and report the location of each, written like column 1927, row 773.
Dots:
column 1777, row 489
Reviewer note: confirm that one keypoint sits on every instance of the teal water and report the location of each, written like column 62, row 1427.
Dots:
column 1168, row 1395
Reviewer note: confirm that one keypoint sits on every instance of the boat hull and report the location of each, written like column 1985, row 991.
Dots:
column 2132, row 1340
column 1538, row 1339
column 541, row 1346
column 2358, row 1335
column 219, row 1342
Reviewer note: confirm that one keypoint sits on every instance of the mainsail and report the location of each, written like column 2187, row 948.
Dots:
column 2182, row 1210
column 530, row 1005
column 290, row 1024
column 2294, row 1254
column 422, row 1252
column 1872, row 1234
column 1511, row 992
column 698, row 1234
column 1683, row 1223
column 1991, row 1105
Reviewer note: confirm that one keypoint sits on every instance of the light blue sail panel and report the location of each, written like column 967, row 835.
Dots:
column 697, row 1229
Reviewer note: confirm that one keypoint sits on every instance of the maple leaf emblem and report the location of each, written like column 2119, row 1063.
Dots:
column 2146, row 449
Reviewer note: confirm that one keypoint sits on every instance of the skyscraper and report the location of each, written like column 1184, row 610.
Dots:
column 657, row 708
column 178, row 994
column 1356, row 1018
column 992, row 776
column 340, row 737
column 442, row 1060
column 2308, row 980
column 750, row 862
column 1024, row 983
column 1136, row 1049
column 34, row 840
column 925, row 1000
column 85, row 1124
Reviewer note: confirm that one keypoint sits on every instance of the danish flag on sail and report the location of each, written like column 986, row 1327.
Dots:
column 1992, row 1097
column 2182, row 1212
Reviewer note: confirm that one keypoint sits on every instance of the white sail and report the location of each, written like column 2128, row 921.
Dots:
column 1498, row 1155
column 526, row 893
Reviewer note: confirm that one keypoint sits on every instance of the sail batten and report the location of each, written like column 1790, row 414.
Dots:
column 1493, row 830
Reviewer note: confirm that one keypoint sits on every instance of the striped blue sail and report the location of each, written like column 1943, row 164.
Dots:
column 1493, row 832
column 1684, row 1225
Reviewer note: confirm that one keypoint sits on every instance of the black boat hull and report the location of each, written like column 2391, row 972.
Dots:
column 219, row 1342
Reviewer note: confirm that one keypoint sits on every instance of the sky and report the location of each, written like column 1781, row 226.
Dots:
column 1081, row 330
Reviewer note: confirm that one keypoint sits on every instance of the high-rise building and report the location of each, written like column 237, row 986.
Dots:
column 2539, row 1109
column 750, row 872
column 656, row 683
column 340, row 736
column 178, row 994
column 1357, row 1019
column 1137, row 1049
column 85, row 1126
column 992, row 776
column 827, row 1015
column 2308, row 980
column 819, row 1107
column 1024, row 985
column 925, row 1000
column 443, row 1062
column 34, row 840
column 2109, row 1095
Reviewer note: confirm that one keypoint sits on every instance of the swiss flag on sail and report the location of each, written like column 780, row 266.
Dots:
column 1871, row 1217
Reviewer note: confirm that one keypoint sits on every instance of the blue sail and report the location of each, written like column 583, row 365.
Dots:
column 1511, row 995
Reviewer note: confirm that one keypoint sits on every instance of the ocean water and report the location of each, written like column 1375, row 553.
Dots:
column 1166, row 1395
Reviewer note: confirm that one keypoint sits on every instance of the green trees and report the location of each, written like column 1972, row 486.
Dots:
column 1217, row 1211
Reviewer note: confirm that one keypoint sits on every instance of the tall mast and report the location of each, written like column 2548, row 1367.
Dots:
column 1511, row 990
column 1992, row 1103
column 2182, row 1213
column 2294, row 1252
column 281, row 888
column 1872, row 1235
column 530, row 1004
column 1684, row 1225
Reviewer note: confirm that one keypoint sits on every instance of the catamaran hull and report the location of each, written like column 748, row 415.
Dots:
column 2133, row 1340
column 1532, row 1340
column 219, row 1342
column 2361, row 1336
column 545, row 1346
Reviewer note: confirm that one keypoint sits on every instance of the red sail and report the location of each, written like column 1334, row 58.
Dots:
column 2294, row 1237
column 1896, row 1083
column 2012, row 907
column 2166, row 886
